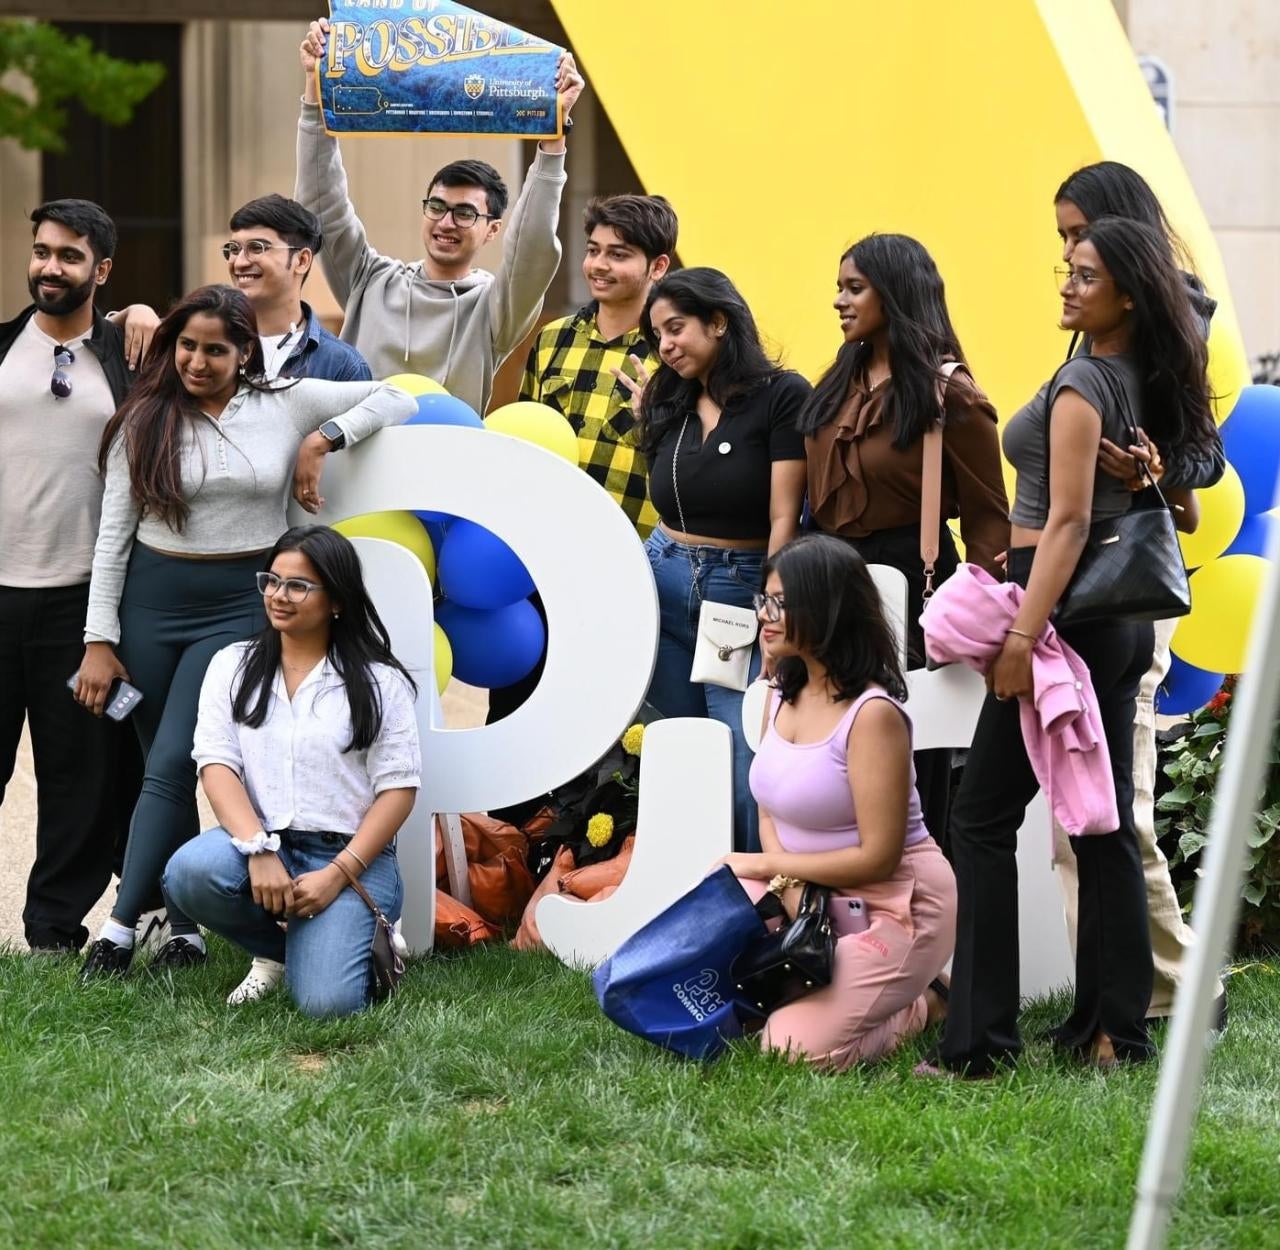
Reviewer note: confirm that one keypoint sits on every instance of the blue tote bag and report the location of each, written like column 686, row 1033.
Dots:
column 669, row 983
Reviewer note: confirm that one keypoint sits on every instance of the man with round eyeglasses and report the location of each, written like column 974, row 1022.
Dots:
column 63, row 372
column 439, row 316
column 273, row 245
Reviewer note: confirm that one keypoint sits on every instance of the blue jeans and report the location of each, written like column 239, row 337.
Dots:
column 327, row 970
column 728, row 575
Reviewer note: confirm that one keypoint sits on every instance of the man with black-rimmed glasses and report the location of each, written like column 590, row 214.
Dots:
column 62, row 374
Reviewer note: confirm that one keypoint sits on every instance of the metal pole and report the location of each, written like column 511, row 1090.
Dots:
column 1247, row 755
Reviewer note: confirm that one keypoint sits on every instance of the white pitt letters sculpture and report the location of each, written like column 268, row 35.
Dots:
column 595, row 583
column 594, row 579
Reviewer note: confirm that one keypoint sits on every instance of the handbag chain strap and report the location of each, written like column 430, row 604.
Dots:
column 695, row 564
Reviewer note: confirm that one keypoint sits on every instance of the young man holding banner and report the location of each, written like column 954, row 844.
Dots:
column 438, row 316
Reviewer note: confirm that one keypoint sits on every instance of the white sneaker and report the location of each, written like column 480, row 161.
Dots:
column 264, row 975
column 152, row 930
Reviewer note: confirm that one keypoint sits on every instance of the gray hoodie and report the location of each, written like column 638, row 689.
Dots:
column 403, row 322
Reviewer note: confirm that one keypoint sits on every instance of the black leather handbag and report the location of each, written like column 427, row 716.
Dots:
column 789, row 962
column 1131, row 567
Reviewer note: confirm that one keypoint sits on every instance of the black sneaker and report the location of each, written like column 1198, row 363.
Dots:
column 106, row 959
column 177, row 952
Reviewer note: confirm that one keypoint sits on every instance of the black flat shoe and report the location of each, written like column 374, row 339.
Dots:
column 106, row 959
column 177, row 952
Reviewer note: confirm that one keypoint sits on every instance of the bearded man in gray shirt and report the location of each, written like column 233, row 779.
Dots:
column 62, row 375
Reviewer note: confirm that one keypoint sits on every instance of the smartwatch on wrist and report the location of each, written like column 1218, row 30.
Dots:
column 333, row 432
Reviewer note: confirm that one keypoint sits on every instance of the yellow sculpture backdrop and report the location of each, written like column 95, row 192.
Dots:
column 783, row 133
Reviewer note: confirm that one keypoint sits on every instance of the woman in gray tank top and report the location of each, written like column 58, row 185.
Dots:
column 1124, row 291
column 1110, row 189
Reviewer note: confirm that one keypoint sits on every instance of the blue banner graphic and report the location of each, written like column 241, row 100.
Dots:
column 434, row 67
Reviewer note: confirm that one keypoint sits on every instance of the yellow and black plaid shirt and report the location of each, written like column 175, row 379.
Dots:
column 568, row 368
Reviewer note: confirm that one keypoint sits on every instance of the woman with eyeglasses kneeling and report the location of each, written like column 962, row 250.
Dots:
column 307, row 747
column 834, row 779
column 199, row 463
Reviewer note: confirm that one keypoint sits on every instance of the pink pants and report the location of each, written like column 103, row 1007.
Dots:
column 876, row 996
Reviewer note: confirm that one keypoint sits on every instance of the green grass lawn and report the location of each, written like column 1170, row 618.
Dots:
column 492, row 1105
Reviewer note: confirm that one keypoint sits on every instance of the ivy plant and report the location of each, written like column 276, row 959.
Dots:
column 1191, row 760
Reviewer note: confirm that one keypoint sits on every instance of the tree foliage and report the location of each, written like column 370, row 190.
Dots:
column 60, row 68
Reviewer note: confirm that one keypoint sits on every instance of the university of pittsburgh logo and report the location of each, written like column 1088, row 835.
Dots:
column 473, row 85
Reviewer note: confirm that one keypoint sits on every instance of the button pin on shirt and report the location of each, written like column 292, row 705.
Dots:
column 725, row 448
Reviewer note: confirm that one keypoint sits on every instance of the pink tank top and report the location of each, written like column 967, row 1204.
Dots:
column 805, row 786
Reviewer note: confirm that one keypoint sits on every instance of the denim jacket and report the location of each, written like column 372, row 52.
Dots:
column 325, row 356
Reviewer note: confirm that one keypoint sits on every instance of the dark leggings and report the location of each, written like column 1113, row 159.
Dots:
column 174, row 615
column 1113, row 955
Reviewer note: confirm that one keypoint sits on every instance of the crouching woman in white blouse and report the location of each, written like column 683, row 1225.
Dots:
column 307, row 746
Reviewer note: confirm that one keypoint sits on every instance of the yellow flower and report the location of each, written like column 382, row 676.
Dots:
column 600, row 829
column 633, row 740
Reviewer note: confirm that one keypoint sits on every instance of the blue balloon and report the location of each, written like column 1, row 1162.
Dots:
column 479, row 570
column 437, row 409
column 1251, row 437
column 1253, row 537
column 1185, row 689
column 494, row 648
column 437, row 524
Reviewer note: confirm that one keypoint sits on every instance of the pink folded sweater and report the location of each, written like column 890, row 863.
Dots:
column 966, row 621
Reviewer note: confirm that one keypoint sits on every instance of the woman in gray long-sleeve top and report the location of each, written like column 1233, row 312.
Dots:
column 199, row 462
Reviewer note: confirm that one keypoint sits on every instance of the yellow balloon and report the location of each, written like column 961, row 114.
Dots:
column 536, row 423
column 416, row 384
column 397, row 527
column 1221, row 512
column 1224, row 594
column 444, row 659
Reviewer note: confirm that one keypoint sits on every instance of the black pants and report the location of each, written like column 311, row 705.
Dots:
column 175, row 614
column 900, row 549
column 1113, row 954
column 87, row 770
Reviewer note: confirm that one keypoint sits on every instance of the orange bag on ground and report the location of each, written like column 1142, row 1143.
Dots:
column 497, row 873
column 586, row 883
column 527, row 937
column 458, row 926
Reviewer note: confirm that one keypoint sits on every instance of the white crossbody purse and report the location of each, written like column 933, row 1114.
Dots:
column 726, row 634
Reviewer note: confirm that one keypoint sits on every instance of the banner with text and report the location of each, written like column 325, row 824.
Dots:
column 434, row 67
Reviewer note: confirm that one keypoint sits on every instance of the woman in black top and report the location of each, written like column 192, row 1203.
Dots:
column 726, row 476
column 1125, row 293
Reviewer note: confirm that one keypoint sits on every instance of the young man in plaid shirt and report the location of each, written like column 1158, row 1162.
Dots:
column 592, row 365
column 578, row 364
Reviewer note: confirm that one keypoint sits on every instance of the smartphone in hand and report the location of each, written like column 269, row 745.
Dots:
column 122, row 698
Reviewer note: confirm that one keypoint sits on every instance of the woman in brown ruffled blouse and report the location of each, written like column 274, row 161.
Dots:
column 864, row 428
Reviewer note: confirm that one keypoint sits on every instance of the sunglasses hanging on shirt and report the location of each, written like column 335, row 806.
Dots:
column 59, row 383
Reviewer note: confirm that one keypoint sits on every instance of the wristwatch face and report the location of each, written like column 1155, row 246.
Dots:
column 333, row 432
